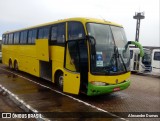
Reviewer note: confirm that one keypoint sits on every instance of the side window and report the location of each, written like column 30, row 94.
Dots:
column 7, row 39
column 131, row 54
column 46, row 33
column 3, row 39
column 53, row 34
column 135, row 57
column 75, row 30
column 61, row 33
column 58, row 34
column 23, row 38
column 32, row 36
column 157, row 56
column 43, row 33
column 40, row 33
column 10, row 38
column 16, row 38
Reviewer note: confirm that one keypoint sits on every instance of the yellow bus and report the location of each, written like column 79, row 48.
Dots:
column 79, row 55
column 0, row 50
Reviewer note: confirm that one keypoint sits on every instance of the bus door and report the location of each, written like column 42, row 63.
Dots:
column 76, row 64
column 71, row 82
column 136, row 61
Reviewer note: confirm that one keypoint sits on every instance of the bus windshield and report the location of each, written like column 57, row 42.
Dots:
column 146, row 59
column 108, row 56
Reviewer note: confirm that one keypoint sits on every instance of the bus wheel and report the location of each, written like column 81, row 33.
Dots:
column 10, row 64
column 59, row 80
column 15, row 65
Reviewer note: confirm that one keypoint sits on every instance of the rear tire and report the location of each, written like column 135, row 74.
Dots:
column 59, row 80
column 10, row 64
column 15, row 65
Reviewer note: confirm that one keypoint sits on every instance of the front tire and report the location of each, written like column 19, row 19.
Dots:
column 59, row 80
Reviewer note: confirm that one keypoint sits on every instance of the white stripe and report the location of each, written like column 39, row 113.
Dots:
column 90, row 105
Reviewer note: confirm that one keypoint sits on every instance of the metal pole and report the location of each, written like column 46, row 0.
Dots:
column 138, row 16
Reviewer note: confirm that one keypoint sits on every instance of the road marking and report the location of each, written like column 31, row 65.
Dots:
column 90, row 105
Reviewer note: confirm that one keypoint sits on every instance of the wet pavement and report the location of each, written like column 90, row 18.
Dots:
column 142, row 96
column 6, row 105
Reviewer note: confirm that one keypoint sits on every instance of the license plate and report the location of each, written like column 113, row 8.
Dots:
column 116, row 89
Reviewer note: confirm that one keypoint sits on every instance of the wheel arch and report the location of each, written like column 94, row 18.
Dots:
column 56, row 72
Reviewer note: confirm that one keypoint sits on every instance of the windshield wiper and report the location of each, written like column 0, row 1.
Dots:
column 123, row 62
column 119, row 55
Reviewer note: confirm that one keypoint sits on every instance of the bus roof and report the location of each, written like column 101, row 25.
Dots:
column 83, row 20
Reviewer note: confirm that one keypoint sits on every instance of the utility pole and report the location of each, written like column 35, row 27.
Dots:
column 138, row 16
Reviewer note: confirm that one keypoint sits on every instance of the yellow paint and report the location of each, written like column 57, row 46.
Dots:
column 25, row 55
column 69, row 62
column 109, row 79
column 71, row 82
column 42, row 49
column 57, row 56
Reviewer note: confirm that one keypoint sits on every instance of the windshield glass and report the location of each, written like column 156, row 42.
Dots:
column 146, row 59
column 108, row 54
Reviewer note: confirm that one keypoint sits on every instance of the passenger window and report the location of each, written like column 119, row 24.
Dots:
column 3, row 39
column 40, row 34
column 16, row 38
column 7, row 39
column 32, row 36
column 10, row 38
column 43, row 33
column 23, row 38
column 75, row 30
column 46, row 33
column 61, row 33
column 58, row 34
column 54, row 34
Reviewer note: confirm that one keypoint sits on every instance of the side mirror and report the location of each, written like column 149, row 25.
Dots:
column 91, row 39
column 92, row 42
column 138, row 45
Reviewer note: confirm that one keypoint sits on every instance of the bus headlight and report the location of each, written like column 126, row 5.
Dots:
column 143, row 66
column 98, row 83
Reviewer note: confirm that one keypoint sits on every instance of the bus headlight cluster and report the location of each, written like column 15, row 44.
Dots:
column 98, row 83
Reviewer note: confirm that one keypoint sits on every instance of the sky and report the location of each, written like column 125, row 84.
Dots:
column 17, row 14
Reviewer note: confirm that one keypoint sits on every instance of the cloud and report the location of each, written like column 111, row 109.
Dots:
column 15, row 14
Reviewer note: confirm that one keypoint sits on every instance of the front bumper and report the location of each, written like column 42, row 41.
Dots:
column 99, row 90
